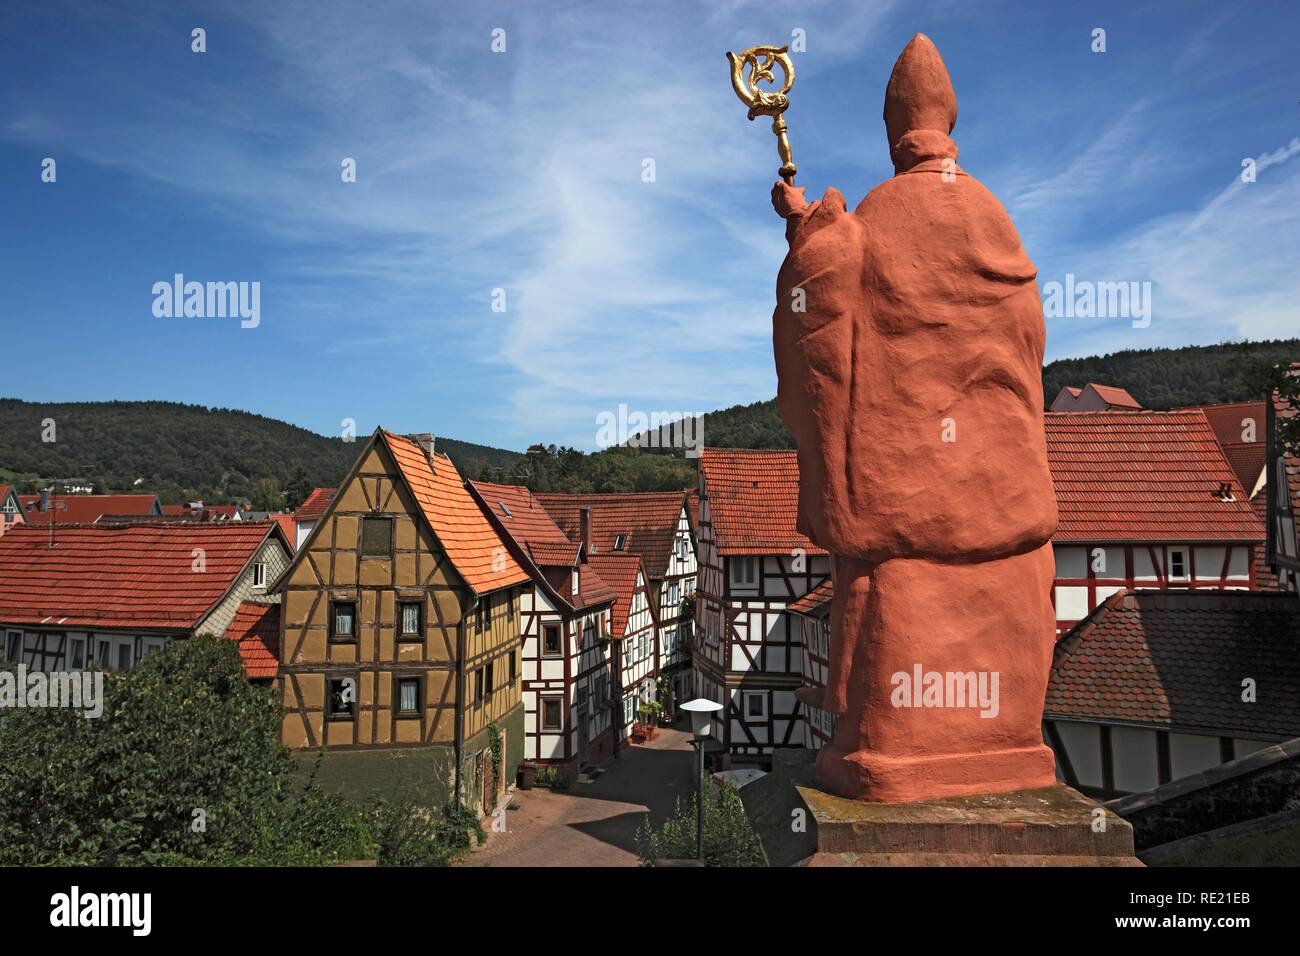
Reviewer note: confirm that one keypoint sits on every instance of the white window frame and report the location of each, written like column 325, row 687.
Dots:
column 80, row 641
column 573, row 587
column 259, row 575
column 749, row 695
column 113, row 642
column 747, row 563
column 152, row 645
column 1187, row 569
column 11, row 636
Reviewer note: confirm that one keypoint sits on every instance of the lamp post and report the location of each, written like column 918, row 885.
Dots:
column 701, row 712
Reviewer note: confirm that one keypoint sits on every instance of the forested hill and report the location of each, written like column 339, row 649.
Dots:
column 1158, row 378
column 181, row 451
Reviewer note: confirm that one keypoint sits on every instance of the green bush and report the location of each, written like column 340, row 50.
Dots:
column 729, row 839
column 184, row 767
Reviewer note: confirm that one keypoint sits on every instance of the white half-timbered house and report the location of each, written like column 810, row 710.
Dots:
column 748, row 653
column 632, row 634
column 114, row 594
column 1148, row 501
column 571, row 702
column 813, row 614
column 657, row 526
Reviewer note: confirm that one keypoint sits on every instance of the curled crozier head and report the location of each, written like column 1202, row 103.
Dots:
column 920, row 104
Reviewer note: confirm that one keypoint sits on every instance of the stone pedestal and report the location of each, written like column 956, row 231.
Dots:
column 1048, row 826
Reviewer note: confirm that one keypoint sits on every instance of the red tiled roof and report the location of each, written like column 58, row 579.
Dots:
column 753, row 500
column 87, row 509
column 519, row 514
column 1233, row 423
column 1177, row 659
column 1115, row 398
column 1143, row 476
column 287, row 524
column 1291, row 463
column 477, row 552
column 1265, row 578
column 647, row 518
column 316, row 503
column 814, row 600
column 257, row 629
column 139, row 575
column 620, row 572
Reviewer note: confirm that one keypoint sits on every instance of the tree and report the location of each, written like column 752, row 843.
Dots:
column 297, row 489
column 729, row 839
column 183, row 765
column 266, row 496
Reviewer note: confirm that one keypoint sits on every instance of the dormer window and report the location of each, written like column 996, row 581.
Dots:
column 620, row 542
column 1177, row 564
column 505, row 509
column 259, row 575
column 574, row 587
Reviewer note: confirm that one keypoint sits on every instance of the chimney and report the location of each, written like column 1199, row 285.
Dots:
column 45, row 500
column 584, row 527
column 426, row 441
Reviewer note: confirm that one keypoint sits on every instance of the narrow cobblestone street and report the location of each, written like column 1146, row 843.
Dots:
column 594, row 824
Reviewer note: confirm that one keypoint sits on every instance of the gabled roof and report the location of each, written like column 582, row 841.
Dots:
column 1115, row 398
column 476, row 551
column 286, row 524
column 1143, row 476
column 816, row 602
column 1176, row 659
column 648, row 519
column 1233, row 423
column 87, row 509
column 620, row 572
column 257, row 629
column 753, row 501
column 138, row 575
column 518, row 515
column 315, row 505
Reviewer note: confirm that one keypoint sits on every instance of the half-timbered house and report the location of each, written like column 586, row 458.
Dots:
column 568, row 666
column 632, row 635
column 1281, row 500
column 1147, row 500
column 11, row 508
column 116, row 594
column 753, row 565
column 400, row 632
column 658, row 527
column 813, row 614
column 1154, row 686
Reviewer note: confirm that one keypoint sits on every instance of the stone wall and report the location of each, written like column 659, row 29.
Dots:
column 1255, row 786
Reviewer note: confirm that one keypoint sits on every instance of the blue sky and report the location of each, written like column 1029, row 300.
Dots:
column 522, row 170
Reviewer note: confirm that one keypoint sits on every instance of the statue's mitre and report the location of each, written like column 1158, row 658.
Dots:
column 920, row 94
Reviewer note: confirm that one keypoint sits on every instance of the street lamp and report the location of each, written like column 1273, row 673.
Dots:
column 701, row 712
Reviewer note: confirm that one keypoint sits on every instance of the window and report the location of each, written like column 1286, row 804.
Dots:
column 620, row 542
column 551, row 640
column 259, row 575
column 484, row 618
column 76, row 653
column 152, row 645
column 511, row 681
column 673, row 598
column 744, row 572
column 488, row 679
column 115, row 653
column 683, row 547
column 478, row 686
column 628, row 709
column 642, row 647
column 552, row 714
column 588, row 632
column 9, row 507
column 343, row 622
column 341, row 701
column 573, row 587
column 407, row 696
column 1177, row 564
column 376, row 537
column 755, row 705
column 409, row 625
column 627, row 652
column 13, row 647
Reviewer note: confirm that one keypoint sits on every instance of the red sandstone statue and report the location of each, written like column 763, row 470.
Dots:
column 909, row 345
